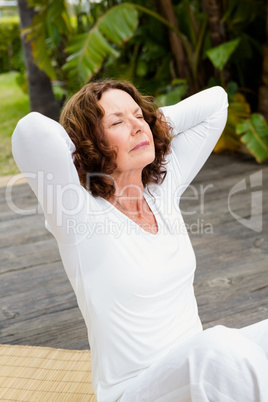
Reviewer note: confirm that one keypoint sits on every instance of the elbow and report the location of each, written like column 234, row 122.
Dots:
column 30, row 120
column 26, row 125
column 26, row 138
column 221, row 97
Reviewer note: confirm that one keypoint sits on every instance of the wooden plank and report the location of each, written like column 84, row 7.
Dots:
column 27, row 255
column 38, row 305
column 20, row 231
column 20, row 198
column 65, row 330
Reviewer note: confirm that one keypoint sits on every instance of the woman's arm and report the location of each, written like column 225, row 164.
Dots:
column 43, row 152
column 197, row 122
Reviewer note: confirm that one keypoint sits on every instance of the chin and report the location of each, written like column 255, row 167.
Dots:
column 139, row 162
column 148, row 159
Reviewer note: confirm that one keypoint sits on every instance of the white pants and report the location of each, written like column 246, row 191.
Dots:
column 218, row 365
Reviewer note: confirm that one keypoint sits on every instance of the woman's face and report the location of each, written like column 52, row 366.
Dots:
column 127, row 131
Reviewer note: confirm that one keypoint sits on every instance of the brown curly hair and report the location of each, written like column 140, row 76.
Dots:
column 82, row 119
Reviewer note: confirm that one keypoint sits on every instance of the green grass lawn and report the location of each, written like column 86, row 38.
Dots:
column 14, row 104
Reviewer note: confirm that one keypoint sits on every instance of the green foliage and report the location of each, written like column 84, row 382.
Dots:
column 173, row 93
column 240, row 14
column 221, row 54
column 150, row 55
column 88, row 51
column 125, row 40
column 11, row 57
column 240, row 58
column 245, row 22
column 14, row 104
column 49, row 33
column 22, row 82
column 239, row 111
column 194, row 38
column 254, row 134
column 71, row 52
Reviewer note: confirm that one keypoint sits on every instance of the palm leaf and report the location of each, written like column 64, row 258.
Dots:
column 254, row 134
column 87, row 52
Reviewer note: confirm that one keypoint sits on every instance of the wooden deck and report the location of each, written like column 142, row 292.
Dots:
column 38, row 306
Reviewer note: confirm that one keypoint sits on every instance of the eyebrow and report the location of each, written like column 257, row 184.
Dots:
column 120, row 113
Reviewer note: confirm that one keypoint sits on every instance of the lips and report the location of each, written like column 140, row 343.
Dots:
column 141, row 145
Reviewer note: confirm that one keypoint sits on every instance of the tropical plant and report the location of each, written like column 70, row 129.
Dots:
column 239, row 111
column 42, row 98
column 10, row 50
column 219, row 43
column 263, row 88
column 242, row 128
column 72, row 56
column 254, row 134
column 88, row 51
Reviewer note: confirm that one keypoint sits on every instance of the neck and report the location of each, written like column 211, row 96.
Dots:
column 128, row 195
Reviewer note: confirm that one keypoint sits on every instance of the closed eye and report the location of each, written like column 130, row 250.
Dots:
column 116, row 123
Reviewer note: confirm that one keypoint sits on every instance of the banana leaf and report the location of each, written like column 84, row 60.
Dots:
column 254, row 134
column 45, row 33
column 87, row 52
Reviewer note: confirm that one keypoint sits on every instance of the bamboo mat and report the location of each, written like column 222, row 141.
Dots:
column 32, row 374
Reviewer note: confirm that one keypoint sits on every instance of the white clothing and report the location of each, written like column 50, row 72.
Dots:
column 134, row 289
column 217, row 365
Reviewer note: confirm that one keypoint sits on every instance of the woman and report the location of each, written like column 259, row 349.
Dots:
column 110, row 193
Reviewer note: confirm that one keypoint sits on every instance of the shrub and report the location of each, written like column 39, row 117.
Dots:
column 11, row 56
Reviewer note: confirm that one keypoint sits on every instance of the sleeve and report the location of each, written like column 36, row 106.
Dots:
column 197, row 124
column 43, row 152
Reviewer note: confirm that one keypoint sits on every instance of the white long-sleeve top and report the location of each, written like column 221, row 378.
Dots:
column 134, row 288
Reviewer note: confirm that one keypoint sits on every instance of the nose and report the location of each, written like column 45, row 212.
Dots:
column 136, row 125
